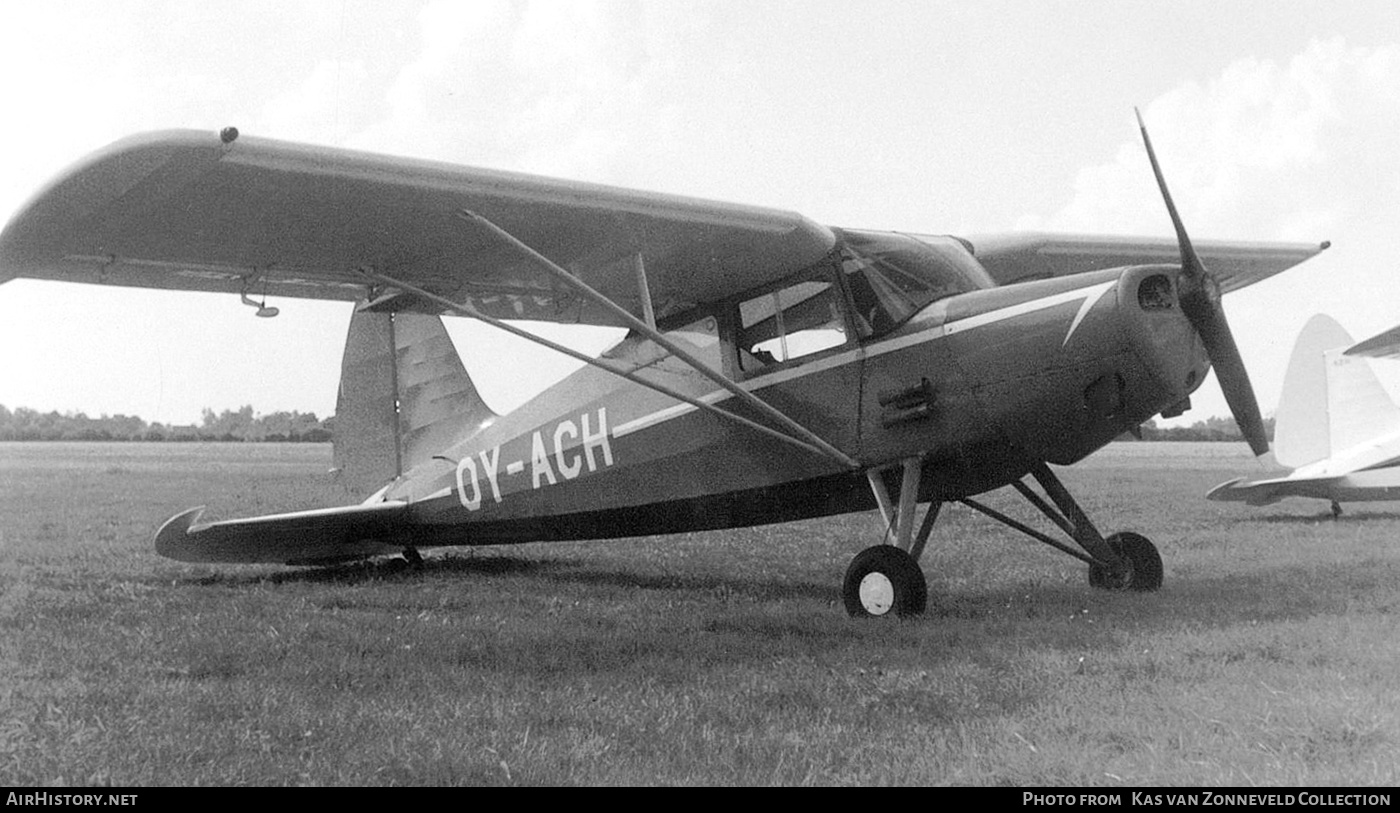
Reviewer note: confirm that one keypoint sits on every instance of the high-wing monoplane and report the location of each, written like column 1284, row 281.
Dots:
column 774, row 368
column 1337, row 427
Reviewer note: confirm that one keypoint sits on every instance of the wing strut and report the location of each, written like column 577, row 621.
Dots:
column 630, row 375
column 644, row 290
column 660, row 338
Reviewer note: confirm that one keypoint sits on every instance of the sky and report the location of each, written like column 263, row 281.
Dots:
column 1273, row 121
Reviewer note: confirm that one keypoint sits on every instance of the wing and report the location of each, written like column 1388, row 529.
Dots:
column 305, row 537
column 1016, row 257
column 190, row 210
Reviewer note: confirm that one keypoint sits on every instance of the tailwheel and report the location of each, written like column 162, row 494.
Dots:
column 1142, row 565
column 884, row 580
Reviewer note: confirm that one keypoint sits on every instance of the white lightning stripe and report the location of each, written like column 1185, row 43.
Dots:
column 1090, row 296
column 1089, row 302
column 1020, row 309
column 1094, row 292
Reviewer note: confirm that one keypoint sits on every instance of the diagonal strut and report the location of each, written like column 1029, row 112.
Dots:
column 629, row 374
column 664, row 341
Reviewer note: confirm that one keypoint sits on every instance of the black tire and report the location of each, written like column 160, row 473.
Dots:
column 884, row 580
column 1144, row 563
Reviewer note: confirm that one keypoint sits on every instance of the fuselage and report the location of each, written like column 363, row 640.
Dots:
column 891, row 348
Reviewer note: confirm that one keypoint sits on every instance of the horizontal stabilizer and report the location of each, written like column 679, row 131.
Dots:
column 1381, row 346
column 1372, row 484
column 1268, row 490
column 321, row 536
column 1242, row 490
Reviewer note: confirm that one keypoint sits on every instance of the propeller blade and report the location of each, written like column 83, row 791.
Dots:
column 1199, row 294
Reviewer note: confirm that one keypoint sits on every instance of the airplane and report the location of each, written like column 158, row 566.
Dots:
column 774, row 368
column 1337, row 428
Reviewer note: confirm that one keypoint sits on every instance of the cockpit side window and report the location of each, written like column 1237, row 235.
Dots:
column 892, row 276
column 789, row 322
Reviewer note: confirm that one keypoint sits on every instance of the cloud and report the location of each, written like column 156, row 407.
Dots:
column 1302, row 150
column 551, row 88
column 317, row 108
column 1264, row 150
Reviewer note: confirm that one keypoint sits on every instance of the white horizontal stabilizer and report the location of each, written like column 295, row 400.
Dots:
column 1384, row 345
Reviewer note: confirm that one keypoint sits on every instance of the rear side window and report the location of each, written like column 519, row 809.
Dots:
column 796, row 320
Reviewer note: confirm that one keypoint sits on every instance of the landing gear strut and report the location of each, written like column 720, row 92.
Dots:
column 886, row 579
column 1123, row 561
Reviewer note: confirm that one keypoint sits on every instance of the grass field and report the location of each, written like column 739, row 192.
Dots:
column 1271, row 656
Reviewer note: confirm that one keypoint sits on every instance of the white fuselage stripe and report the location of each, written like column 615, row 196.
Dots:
column 666, row 414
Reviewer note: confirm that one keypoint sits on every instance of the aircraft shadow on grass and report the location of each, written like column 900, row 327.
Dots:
column 554, row 571
column 1324, row 517
column 372, row 570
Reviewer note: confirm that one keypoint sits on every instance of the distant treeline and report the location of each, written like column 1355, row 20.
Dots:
column 240, row 425
column 1223, row 429
column 304, row 427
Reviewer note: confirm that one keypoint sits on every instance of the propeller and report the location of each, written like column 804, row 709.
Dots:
column 1199, row 295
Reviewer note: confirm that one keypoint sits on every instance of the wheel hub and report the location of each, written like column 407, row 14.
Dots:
column 1123, row 577
column 876, row 593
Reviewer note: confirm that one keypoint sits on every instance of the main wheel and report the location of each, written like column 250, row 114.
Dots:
column 884, row 580
column 1144, row 564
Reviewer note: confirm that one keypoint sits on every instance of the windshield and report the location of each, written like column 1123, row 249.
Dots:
column 892, row 276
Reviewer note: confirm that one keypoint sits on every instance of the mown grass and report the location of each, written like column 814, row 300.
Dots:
column 1268, row 658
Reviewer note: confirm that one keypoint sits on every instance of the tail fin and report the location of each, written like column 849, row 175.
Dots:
column 1331, row 401
column 404, row 397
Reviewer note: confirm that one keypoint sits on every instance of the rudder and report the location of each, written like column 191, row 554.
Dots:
column 404, row 397
column 1331, row 402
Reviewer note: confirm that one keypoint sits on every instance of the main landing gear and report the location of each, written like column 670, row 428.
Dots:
column 886, row 579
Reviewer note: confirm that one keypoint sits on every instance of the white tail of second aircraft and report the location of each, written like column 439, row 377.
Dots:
column 1332, row 401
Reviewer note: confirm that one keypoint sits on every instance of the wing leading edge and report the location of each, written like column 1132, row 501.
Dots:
column 1021, row 256
column 189, row 210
